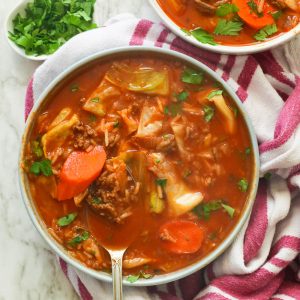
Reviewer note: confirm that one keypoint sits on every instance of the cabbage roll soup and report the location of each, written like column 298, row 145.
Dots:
column 146, row 153
column 233, row 22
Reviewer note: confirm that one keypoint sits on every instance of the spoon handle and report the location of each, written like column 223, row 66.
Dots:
column 116, row 265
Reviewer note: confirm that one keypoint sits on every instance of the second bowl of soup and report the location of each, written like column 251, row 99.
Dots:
column 141, row 148
column 231, row 26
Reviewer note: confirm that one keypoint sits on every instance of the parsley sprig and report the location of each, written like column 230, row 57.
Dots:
column 48, row 24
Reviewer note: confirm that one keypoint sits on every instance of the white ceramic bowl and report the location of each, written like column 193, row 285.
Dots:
column 236, row 50
column 8, row 27
column 32, row 210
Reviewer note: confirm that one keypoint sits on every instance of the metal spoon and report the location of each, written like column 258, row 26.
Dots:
column 117, row 278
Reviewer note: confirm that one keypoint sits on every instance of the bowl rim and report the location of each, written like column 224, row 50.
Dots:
column 37, row 220
column 225, row 49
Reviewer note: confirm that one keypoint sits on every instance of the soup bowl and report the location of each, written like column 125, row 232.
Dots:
column 32, row 209
column 225, row 49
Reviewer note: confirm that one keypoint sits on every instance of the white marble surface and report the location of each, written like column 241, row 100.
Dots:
column 28, row 269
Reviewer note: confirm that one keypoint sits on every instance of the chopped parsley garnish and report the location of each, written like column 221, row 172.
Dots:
column 173, row 109
column 187, row 173
column 226, row 9
column 276, row 15
column 204, row 210
column 203, row 36
column 97, row 200
column 42, row 167
column 79, row 238
column 95, row 100
column 47, row 24
column 191, row 76
column 225, row 27
column 66, row 220
column 214, row 93
column 248, row 151
column 116, row 124
column 74, row 87
column 181, row 97
column 161, row 182
column 254, row 9
column 93, row 118
column 37, row 149
column 265, row 32
column 209, row 113
column 136, row 277
column 230, row 210
column 243, row 185
column 157, row 161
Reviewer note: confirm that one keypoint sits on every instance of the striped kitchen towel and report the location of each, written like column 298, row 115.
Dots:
column 263, row 262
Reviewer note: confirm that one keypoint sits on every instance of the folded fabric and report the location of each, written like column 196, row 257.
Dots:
column 262, row 262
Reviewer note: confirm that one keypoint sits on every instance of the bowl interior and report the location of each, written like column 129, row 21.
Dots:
column 235, row 50
column 46, row 96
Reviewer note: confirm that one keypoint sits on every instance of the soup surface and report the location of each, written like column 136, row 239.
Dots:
column 145, row 153
column 233, row 22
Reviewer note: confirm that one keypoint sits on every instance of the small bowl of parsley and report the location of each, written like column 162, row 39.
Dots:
column 35, row 29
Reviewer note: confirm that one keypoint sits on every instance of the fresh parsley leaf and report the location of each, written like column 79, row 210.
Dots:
column 225, row 27
column 181, row 97
column 79, row 238
column 191, row 76
column 133, row 278
column 141, row 274
column 230, row 210
column 173, row 109
column 248, row 151
column 116, row 124
column 203, row 36
column 254, row 9
column 209, row 113
column 66, row 220
column 37, row 149
column 243, row 185
column 265, row 32
column 97, row 200
column 42, row 167
column 204, row 210
column 226, row 9
column 214, row 93
column 187, row 173
column 161, row 182
column 95, row 100
column 93, row 118
column 276, row 15
column 74, row 87
column 46, row 25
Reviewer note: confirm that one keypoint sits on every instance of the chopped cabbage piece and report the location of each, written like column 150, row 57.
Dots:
column 62, row 116
column 104, row 91
column 180, row 199
column 55, row 137
column 150, row 121
column 139, row 79
column 227, row 113
column 157, row 205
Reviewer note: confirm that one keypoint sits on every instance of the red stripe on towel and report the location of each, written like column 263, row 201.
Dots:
column 140, row 32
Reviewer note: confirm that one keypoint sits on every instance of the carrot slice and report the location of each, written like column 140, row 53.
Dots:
column 181, row 236
column 251, row 18
column 79, row 171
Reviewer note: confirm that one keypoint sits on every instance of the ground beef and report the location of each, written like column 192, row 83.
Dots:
column 84, row 136
column 209, row 6
column 114, row 193
column 163, row 143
